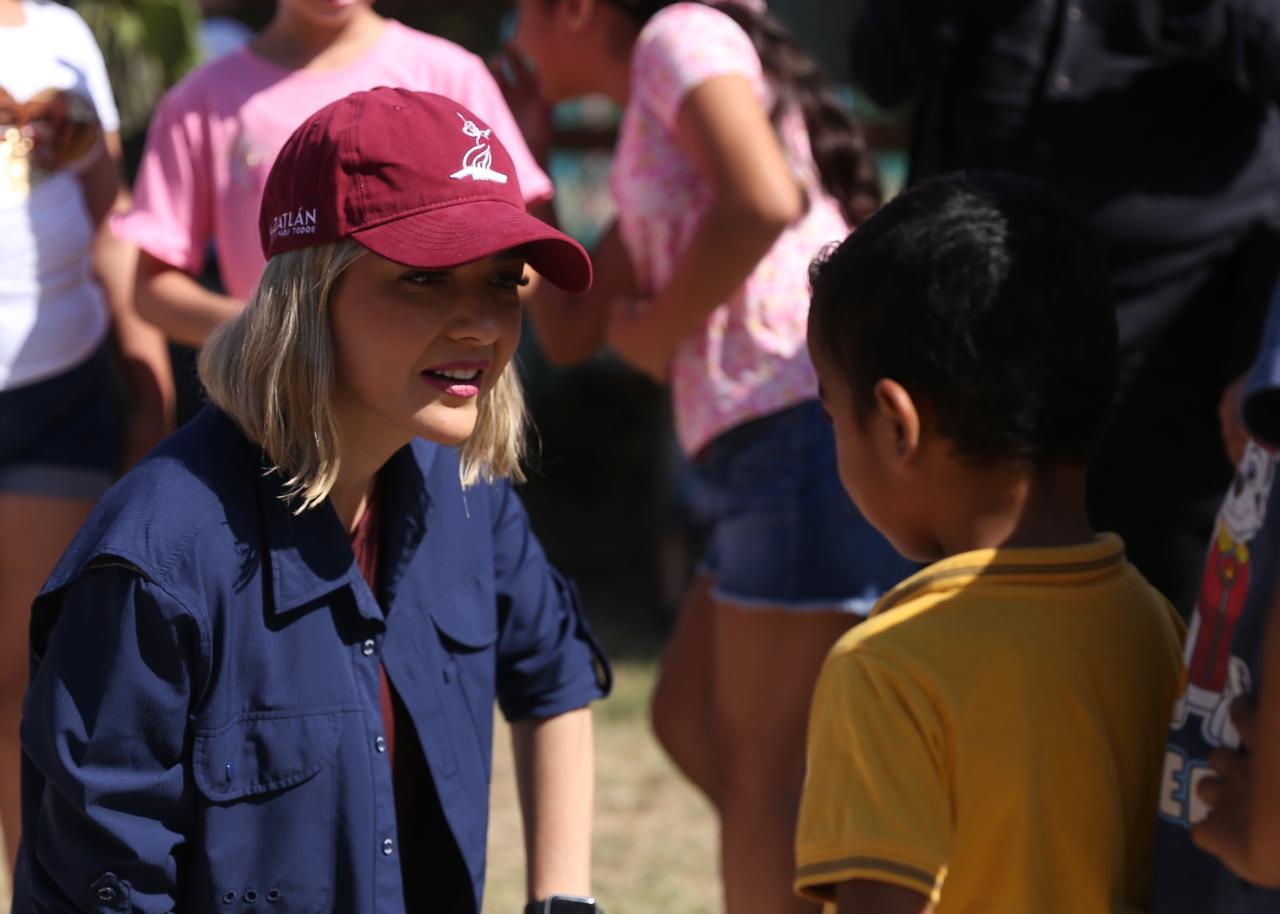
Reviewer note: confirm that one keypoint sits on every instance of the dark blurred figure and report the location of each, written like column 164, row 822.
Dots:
column 1158, row 118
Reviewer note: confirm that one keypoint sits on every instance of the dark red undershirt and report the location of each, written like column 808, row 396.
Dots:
column 408, row 765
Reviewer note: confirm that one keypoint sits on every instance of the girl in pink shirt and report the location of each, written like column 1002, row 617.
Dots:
column 215, row 135
column 734, row 166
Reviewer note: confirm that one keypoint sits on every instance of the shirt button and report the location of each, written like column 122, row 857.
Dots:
column 368, row 647
column 380, row 744
column 1062, row 82
column 387, row 847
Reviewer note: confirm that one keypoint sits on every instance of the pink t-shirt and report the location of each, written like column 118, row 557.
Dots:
column 749, row 359
column 215, row 135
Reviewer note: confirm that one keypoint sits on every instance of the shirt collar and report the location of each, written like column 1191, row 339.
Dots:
column 309, row 554
column 1104, row 555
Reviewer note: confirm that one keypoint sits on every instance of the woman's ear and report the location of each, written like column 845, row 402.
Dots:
column 901, row 416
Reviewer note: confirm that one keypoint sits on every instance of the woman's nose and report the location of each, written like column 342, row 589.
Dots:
column 484, row 321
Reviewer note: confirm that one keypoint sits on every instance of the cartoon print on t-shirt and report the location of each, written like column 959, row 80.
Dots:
column 1214, row 677
column 39, row 137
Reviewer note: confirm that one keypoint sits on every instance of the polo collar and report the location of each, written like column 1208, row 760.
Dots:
column 1104, row 555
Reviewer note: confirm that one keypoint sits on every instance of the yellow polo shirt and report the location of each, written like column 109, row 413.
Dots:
column 992, row 737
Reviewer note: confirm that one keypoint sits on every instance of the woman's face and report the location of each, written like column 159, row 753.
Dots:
column 416, row 349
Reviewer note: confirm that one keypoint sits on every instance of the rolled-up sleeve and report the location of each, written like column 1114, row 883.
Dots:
column 549, row 661
column 105, row 791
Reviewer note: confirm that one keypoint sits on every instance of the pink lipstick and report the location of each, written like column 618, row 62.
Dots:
column 457, row 379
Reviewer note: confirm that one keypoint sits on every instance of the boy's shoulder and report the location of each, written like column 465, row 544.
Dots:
column 967, row 605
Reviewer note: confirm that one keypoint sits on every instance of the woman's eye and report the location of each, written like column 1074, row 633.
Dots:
column 426, row 277
column 511, row 281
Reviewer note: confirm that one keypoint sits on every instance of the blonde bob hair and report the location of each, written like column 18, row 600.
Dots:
column 271, row 369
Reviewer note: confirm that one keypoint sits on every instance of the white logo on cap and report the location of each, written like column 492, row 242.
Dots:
column 476, row 163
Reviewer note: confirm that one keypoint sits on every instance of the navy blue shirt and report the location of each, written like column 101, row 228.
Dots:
column 202, row 729
column 1223, row 645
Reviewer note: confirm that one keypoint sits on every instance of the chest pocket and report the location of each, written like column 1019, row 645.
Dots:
column 466, row 622
column 268, row 779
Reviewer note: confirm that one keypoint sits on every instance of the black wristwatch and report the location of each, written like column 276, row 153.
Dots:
column 564, row 904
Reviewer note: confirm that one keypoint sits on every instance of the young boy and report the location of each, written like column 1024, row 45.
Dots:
column 990, row 740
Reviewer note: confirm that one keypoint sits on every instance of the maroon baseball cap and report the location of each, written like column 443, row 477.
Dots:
column 415, row 178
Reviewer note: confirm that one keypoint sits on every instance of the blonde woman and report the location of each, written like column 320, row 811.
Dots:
column 265, row 670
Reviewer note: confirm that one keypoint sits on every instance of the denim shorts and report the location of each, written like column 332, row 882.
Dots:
column 784, row 534
column 60, row 437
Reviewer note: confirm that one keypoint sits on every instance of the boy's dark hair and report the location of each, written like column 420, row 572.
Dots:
column 985, row 295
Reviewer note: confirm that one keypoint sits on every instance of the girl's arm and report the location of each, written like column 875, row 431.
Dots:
column 172, row 300
column 555, row 774
column 1243, row 830
column 571, row 328
column 730, row 139
column 142, row 349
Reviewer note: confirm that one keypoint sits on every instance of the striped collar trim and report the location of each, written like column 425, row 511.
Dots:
column 1105, row 553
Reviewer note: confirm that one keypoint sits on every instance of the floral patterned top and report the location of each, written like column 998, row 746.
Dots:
column 749, row 359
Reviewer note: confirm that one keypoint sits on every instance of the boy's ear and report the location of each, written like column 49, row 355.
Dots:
column 902, row 417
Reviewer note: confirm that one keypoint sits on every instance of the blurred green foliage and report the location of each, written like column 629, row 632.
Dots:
column 148, row 45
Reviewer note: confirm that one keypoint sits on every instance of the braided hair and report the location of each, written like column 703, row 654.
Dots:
column 837, row 141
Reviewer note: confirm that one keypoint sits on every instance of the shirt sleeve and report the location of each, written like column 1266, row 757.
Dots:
column 105, row 802
column 549, row 661
column 478, row 90
column 171, row 217
column 875, row 804
column 683, row 47
column 95, row 72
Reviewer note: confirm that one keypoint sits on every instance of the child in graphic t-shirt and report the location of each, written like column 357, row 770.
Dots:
column 215, row 135
column 989, row 740
column 1230, row 663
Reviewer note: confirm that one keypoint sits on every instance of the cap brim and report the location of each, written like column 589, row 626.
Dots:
column 449, row 236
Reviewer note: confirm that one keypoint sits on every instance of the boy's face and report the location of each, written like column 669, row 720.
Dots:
column 874, row 468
